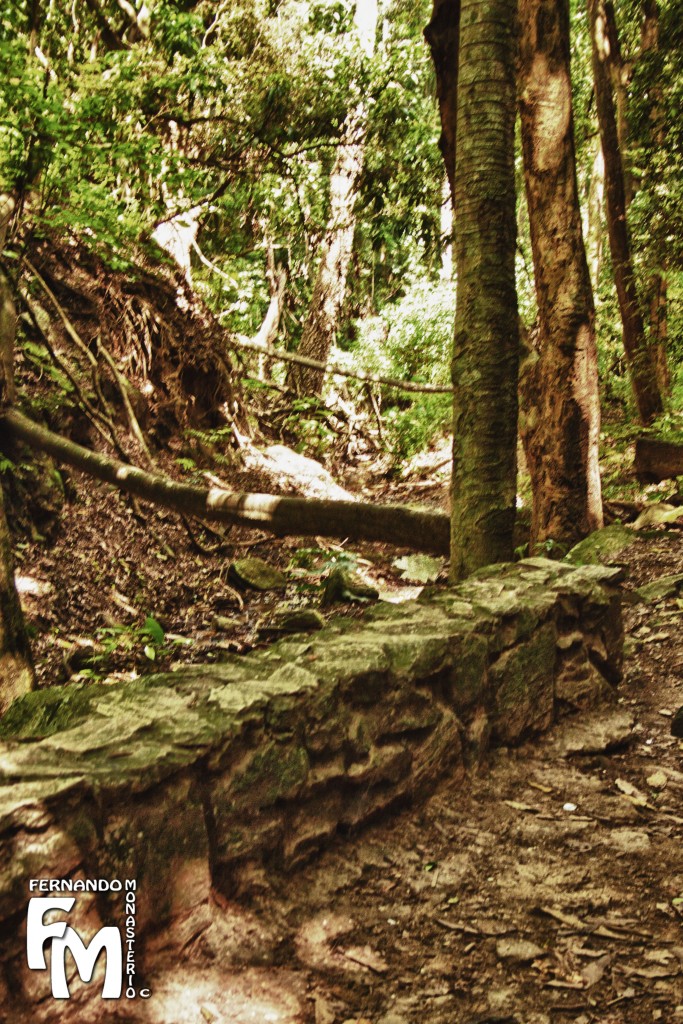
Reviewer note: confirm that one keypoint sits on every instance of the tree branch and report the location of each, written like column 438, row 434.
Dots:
column 370, row 378
column 299, row 517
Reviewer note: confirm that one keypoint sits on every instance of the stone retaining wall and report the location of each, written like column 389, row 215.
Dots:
column 186, row 781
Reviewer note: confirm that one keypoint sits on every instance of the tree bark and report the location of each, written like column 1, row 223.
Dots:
column 305, row 517
column 486, row 346
column 8, row 322
column 443, row 35
column 594, row 217
column 638, row 355
column 560, row 420
column 657, row 460
column 16, row 666
column 322, row 321
column 657, row 288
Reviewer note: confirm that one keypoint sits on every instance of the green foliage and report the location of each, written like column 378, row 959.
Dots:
column 6, row 465
column 149, row 641
column 411, row 340
column 308, row 422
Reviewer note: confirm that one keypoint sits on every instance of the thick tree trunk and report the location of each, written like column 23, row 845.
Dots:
column 305, row 517
column 638, row 355
column 657, row 460
column 560, row 421
column 443, row 35
column 322, row 321
column 486, row 345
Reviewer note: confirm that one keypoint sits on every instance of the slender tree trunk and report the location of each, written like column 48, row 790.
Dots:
column 620, row 71
column 657, row 284
column 16, row 667
column 322, row 322
column 446, row 225
column 594, row 217
column 638, row 355
column 486, row 346
column 560, row 421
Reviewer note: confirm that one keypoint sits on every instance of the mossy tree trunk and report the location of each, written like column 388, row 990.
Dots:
column 638, row 355
column 560, row 420
column 486, row 346
column 322, row 321
column 16, row 667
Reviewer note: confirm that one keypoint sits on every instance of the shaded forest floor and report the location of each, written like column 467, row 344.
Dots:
column 548, row 888
column 108, row 565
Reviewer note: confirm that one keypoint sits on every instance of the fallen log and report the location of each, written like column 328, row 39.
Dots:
column 284, row 516
column 657, row 460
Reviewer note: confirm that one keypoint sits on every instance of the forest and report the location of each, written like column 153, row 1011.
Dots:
column 342, row 340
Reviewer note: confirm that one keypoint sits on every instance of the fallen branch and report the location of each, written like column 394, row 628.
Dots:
column 393, row 524
column 370, row 378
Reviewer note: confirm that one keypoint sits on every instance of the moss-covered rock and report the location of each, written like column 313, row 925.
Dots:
column 603, row 546
column 661, row 589
column 341, row 585
column 256, row 574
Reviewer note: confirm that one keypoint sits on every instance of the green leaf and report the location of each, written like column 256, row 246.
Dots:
column 153, row 630
column 150, row 652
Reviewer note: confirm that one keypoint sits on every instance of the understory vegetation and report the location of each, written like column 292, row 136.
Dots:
column 195, row 195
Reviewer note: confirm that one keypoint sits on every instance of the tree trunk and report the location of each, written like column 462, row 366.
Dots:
column 657, row 284
column 594, row 217
column 638, row 355
column 443, row 35
column 322, row 322
column 560, row 421
column 8, row 323
column 8, row 312
column 486, row 346
column 16, row 667
column 298, row 517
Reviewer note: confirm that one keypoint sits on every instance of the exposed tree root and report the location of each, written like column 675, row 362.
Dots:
column 173, row 351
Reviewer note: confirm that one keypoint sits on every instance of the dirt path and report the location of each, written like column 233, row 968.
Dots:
column 547, row 889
